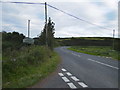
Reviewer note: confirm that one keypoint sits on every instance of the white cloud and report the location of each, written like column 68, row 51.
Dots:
column 65, row 25
column 87, row 11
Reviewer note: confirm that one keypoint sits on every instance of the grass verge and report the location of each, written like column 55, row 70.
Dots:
column 97, row 50
column 25, row 76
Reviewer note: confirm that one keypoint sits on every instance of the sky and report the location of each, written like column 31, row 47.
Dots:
column 102, row 13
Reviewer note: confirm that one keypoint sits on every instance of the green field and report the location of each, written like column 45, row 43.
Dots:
column 27, row 66
column 97, row 50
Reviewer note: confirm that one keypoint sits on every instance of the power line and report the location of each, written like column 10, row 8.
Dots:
column 76, row 17
column 60, row 11
column 22, row 2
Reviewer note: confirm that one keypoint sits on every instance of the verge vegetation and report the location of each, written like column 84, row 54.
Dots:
column 97, row 50
column 24, row 64
column 27, row 66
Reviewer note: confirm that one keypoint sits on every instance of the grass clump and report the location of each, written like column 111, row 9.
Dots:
column 97, row 50
column 25, row 67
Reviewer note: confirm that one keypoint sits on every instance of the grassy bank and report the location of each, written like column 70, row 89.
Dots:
column 0, row 70
column 97, row 50
column 27, row 66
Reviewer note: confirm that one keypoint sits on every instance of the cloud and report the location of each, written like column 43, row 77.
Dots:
column 87, row 11
column 102, row 13
column 15, row 18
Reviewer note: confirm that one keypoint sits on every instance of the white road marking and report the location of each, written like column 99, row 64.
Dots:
column 69, row 74
column 65, row 79
column 73, row 53
column 82, row 84
column 64, row 69
column 74, row 78
column 103, row 64
column 79, row 56
column 60, row 74
column 76, row 55
column 71, row 85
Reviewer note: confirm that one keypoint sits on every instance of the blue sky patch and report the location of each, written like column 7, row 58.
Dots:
column 111, row 15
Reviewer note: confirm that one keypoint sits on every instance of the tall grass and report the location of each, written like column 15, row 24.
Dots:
column 97, row 50
column 28, row 65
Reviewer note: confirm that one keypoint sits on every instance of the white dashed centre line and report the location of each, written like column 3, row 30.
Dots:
column 71, row 85
column 69, row 74
column 103, row 64
column 65, row 79
column 74, row 78
column 60, row 74
column 76, row 55
column 82, row 84
column 79, row 56
column 63, row 69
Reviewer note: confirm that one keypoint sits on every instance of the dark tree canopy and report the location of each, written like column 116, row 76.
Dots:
column 50, row 34
column 12, row 40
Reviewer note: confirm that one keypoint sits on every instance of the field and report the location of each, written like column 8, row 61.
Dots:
column 97, row 50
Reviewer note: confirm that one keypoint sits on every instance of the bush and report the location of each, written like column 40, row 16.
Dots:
column 32, row 55
column 117, row 44
column 12, row 40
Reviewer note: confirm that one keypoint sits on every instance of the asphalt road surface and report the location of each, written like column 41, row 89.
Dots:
column 78, row 70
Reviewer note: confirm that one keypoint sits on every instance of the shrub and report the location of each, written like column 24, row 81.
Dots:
column 32, row 55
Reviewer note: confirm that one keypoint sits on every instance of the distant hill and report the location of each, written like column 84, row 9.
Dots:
column 89, row 41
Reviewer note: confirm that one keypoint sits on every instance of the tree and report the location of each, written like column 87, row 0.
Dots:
column 117, row 44
column 50, row 34
column 12, row 40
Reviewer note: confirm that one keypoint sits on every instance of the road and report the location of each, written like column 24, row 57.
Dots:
column 78, row 70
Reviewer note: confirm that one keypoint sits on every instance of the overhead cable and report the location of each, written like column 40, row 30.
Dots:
column 62, row 12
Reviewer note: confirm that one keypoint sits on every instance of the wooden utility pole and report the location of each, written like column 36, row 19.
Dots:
column 28, row 28
column 113, row 38
column 46, row 22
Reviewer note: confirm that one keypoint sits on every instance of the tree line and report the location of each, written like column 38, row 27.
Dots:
column 14, row 40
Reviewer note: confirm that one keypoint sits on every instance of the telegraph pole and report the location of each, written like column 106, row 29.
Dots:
column 46, row 22
column 113, row 38
column 28, row 28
